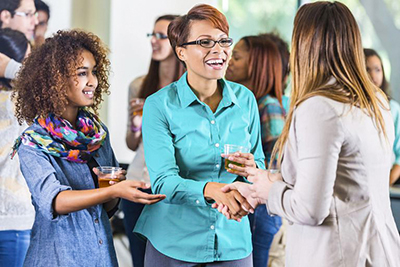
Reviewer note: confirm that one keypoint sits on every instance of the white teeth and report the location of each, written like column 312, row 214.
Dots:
column 217, row 61
column 88, row 93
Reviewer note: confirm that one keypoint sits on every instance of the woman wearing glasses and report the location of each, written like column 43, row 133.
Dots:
column 164, row 69
column 185, row 126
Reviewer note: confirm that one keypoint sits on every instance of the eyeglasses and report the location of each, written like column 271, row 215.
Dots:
column 209, row 43
column 157, row 35
column 25, row 15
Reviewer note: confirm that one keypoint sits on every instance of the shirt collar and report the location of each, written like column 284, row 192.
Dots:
column 187, row 96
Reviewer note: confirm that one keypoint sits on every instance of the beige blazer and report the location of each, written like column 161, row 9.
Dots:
column 335, row 193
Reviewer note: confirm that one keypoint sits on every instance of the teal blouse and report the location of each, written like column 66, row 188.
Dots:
column 183, row 141
column 395, row 110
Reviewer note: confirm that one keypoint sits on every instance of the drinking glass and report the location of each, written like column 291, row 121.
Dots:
column 138, row 101
column 107, row 174
column 231, row 149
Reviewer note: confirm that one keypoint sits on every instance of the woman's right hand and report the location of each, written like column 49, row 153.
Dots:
column 235, row 202
column 129, row 190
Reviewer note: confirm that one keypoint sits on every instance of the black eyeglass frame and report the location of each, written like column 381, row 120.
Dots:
column 198, row 42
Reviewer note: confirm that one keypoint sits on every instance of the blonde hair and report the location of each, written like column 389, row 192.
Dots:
column 326, row 43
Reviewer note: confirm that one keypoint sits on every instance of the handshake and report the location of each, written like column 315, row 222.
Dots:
column 239, row 199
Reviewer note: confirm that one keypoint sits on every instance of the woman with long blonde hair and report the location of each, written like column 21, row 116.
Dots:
column 335, row 151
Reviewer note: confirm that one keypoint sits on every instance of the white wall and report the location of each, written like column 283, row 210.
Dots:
column 130, row 56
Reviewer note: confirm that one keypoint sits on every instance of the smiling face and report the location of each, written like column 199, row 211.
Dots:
column 161, row 48
column 238, row 68
column 201, row 62
column 24, row 20
column 374, row 69
column 82, row 85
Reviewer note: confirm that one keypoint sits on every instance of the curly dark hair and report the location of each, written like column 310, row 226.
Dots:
column 42, row 83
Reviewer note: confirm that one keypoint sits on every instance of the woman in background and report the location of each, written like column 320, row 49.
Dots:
column 16, row 210
column 377, row 74
column 164, row 69
column 257, row 63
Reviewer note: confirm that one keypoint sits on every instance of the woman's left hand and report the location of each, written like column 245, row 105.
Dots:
column 262, row 182
column 245, row 160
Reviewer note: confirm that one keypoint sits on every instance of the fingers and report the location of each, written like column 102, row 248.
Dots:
column 242, row 203
column 228, row 187
column 246, row 206
column 225, row 212
column 245, row 159
column 96, row 171
column 145, row 196
column 121, row 175
column 255, row 174
column 251, row 178
column 146, row 201
column 241, row 171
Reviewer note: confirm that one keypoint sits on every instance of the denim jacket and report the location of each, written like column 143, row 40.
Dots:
column 81, row 238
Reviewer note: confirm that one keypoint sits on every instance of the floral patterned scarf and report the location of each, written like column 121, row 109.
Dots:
column 63, row 140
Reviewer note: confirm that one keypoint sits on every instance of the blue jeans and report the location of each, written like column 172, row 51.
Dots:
column 137, row 245
column 13, row 247
column 263, row 229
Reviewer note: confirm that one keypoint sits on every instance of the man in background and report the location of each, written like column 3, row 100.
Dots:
column 18, row 15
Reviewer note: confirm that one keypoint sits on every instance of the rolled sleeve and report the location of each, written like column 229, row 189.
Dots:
column 41, row 180
column 161, row 163
column 12, row 69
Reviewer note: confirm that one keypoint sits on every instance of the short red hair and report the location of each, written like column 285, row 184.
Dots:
column 179, row 28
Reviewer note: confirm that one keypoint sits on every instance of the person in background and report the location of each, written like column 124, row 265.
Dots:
column 283, row 48
column 43, row 12
column 185, row 127
column 335, row 151
column 58, row 91
column 18, row 15
column 377, row 73
column 164, row 69
column 16, row 211
column 257, row 63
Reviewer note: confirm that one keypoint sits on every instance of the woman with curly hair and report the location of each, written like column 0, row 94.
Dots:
column 58, row 91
